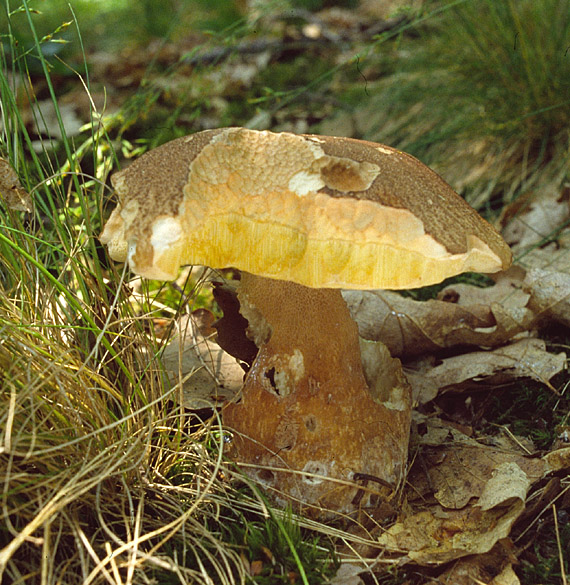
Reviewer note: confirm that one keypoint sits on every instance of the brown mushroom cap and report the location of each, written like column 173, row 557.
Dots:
column 323, row 212
column 316, row 210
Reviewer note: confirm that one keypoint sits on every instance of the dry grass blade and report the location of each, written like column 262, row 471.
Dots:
column 559, row 545
column 80, row 463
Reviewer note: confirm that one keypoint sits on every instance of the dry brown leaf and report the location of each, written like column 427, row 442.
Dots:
column 550, row 294
column 255, row 568
column 556, row 460
column 430, row 538
column 208, row 374
column 464, row 315
column 410, row 328
column 535, row 218
column 553, row 256
column 384, row 375
column 11, row 190
column 506, row 577
column 489, row 483
column 493, row 568
column 507, row 291
column 455, row 468
column 347, row 574
column 526, row 358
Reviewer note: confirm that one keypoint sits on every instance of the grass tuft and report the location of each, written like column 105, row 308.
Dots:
column 480, row 89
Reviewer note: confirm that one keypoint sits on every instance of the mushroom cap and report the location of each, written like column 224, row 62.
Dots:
column 317, row 210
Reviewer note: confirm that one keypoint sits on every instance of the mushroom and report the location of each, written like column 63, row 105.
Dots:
column 302, row 217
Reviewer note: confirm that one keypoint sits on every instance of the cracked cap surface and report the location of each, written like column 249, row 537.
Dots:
column 316, row 210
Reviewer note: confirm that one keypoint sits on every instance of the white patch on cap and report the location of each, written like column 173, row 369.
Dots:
column 165, row 232
column 304, row 182
column 223, row 135
column 385, row 150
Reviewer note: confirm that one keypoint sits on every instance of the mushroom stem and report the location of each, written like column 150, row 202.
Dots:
column 306, row 418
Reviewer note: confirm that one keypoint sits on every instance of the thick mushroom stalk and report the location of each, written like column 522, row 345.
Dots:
column 307, row 425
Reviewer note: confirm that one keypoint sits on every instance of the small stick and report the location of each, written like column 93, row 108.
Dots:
column 365, row 478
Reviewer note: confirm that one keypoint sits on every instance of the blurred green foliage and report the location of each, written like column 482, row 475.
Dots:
column 111, row 25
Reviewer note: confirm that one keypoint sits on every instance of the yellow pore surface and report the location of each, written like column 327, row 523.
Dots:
column 317, row 241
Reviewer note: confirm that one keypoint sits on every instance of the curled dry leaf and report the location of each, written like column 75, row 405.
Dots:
column 384, row 375
column 526, row 358
column 558, row 459
column 11, row 190
column 410, row 328
column 455, row 469
column 554, row 256
column 549, row 294
column 465, row 315
column 506, row 577
column 463, row 498
column 492, row 568
column 532, row 295
column 208, row 374
column 507, row 291
column 469, row 316
column 432, row 538
column 531, row 219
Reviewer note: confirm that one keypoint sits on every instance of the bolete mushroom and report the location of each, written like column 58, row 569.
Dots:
column 303, row 217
